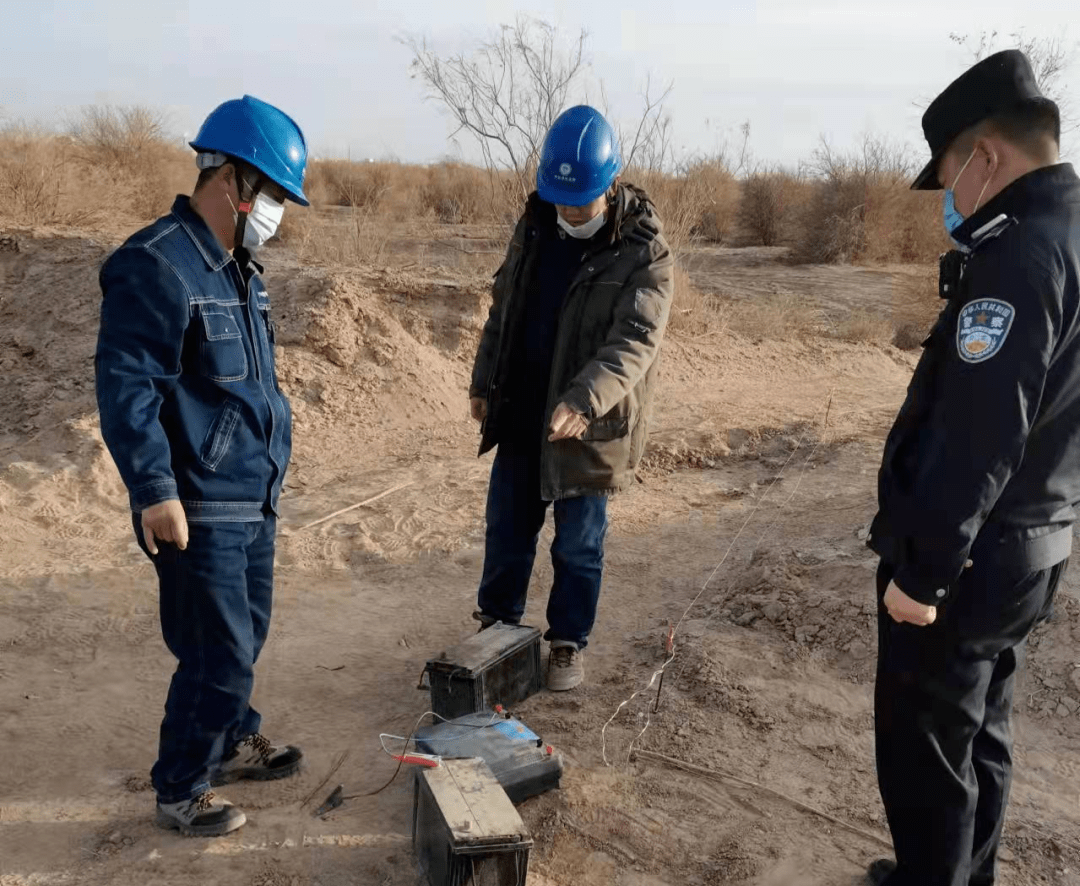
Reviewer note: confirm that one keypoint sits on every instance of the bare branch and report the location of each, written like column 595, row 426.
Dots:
column 507, row 92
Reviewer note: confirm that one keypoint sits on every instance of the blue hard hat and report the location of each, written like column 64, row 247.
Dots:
column 580, row 158
column 258, row 133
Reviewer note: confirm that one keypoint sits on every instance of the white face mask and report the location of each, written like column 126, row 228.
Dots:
column 262, row 221
column 585, row 231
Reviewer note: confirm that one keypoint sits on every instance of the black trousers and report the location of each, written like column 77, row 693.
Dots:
column 942, row 704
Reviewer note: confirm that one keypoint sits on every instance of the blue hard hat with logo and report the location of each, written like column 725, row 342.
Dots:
column 259, row 134
column 579, row 159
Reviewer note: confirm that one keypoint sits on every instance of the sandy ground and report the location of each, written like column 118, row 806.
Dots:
column 763, row 457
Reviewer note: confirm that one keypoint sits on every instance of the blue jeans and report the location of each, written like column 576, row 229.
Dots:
column 215, row 600
column 515, row 516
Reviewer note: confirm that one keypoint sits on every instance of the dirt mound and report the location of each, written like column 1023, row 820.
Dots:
column 49, row 303
column 374, row 351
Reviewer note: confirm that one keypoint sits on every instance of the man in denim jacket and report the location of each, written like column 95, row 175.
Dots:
column 200, row 431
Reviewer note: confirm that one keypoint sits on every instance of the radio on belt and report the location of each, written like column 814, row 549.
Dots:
column 498, row 666
column 466, row 832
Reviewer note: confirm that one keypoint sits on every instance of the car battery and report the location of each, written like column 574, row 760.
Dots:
column 524, row 765
column 466, row 832
column 497, row 666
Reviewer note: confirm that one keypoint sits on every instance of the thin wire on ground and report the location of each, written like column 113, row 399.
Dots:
column 674, row 649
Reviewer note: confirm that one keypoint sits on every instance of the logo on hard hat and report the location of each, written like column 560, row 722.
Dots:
column 565, row 169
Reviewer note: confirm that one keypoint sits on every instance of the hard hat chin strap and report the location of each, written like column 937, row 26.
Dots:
column 247, row 194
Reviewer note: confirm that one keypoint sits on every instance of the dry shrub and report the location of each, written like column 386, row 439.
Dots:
column 114, row 165
column 908, row 337
column 124, row 151
column 915, row 306
column 866, row 327
column 457, row 194
column 693, row 313
column 711, row 182
column 769, row 198
column 862, row 209
column 29, row 183
column 335, row 237
column 360, row 185
column 676, row 203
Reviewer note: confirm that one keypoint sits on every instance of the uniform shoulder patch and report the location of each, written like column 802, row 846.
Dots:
column 982, row 329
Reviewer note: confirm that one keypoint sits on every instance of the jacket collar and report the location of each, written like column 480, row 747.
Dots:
column 197, row 229
column 1029, row 192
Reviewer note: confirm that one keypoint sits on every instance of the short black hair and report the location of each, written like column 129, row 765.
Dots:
column 244, row 170
column 204, row 177
column 1032, row 127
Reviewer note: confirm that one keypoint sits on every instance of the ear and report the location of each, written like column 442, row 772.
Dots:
column 989, row 154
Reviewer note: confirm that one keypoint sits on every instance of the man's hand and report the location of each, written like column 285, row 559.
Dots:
column 903, row 609
column 567, row 424
column 165, row 521
column 478, row 408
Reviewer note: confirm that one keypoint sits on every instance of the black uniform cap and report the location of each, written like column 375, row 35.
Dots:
column 1001, row 82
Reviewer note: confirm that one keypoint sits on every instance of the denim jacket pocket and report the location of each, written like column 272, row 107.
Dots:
column 220, row 435
column 222, row 347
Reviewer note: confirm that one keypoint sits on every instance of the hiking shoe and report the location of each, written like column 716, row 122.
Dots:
column 257, row 759
column 880, row 871
column 565, row 668
column 486, row 621
column 206, row 815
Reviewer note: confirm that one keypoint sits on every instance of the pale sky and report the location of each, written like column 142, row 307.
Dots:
column 795, row 70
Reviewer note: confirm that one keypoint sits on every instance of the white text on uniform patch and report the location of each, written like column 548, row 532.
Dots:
column 983, row 328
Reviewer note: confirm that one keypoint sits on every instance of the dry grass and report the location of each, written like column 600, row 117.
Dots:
column 693, row 313
column 915, row 307
column 783, row 316
column 867, row 327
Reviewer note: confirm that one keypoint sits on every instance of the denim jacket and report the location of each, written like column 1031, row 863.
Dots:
column 186, row 386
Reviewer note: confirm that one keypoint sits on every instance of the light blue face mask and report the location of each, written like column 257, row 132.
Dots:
column 953, row 216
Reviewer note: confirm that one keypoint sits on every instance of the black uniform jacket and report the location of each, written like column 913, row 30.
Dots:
column 984, row 457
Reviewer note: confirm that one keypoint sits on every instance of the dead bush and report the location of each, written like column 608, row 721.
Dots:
column 32, row 169
column 768, row 200
column 866, row 327
column 716, row 190
column 456, row 194
column 909, row 337
column 350, row 237
column 111, row 166
column 861, row 208
column 360, row 185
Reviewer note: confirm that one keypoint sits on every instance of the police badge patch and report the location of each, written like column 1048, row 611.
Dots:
column 983, row 328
